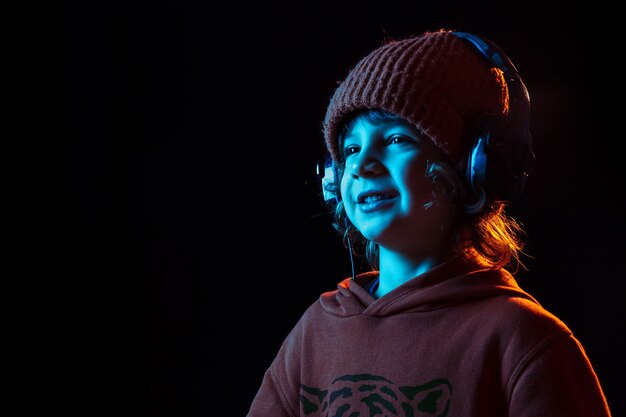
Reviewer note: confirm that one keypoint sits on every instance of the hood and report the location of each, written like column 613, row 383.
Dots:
column 453, row 282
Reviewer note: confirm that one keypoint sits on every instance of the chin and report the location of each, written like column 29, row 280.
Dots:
column 377, row 235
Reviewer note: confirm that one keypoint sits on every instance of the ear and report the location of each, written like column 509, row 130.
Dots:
column 430, row 399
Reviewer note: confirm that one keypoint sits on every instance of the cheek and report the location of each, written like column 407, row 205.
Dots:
column 348, row 203
column 343, row 192
column 418, row 184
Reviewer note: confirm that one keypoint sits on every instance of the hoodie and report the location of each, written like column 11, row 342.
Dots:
column 456, row 341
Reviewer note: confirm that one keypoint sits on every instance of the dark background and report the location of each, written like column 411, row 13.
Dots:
column 197, row 235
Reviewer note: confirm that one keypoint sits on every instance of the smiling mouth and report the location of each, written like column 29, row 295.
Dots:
column 373, row 197
column 373, row 201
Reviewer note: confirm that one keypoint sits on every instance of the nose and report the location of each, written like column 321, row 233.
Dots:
column 365, row 164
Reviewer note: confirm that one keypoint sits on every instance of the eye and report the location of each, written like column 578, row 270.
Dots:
column 350, row 150
column 395, row 139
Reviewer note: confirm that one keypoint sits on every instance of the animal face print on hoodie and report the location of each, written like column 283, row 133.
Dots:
column 366, row 395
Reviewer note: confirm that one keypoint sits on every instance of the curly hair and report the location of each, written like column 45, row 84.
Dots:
column 485, row 234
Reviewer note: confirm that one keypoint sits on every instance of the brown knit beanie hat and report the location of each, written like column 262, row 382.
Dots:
column 436, row 81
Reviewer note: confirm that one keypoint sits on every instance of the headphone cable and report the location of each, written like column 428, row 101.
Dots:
column 351, row 258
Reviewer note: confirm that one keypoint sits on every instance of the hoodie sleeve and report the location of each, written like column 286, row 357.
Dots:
column 279, row 394
column 268, row 401
column 557, row 380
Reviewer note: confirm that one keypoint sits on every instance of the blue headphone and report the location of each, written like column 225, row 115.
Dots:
column 501, row 156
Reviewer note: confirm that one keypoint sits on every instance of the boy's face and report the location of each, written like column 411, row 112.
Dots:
column 385, row 190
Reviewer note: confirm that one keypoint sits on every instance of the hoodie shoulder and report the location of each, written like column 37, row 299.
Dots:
column 529, row 318
column 522, row 308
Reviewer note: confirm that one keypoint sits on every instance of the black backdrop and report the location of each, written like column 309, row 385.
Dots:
column 196, row 226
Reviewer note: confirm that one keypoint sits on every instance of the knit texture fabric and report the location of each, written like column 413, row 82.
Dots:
column 436, row 81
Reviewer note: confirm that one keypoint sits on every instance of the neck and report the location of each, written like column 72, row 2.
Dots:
column 396, row 269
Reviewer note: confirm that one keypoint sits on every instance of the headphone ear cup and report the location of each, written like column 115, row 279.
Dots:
column 476, row 167
column 328, row 171
column 500, row 160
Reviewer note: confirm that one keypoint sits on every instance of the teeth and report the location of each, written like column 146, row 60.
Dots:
column 372, row 198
